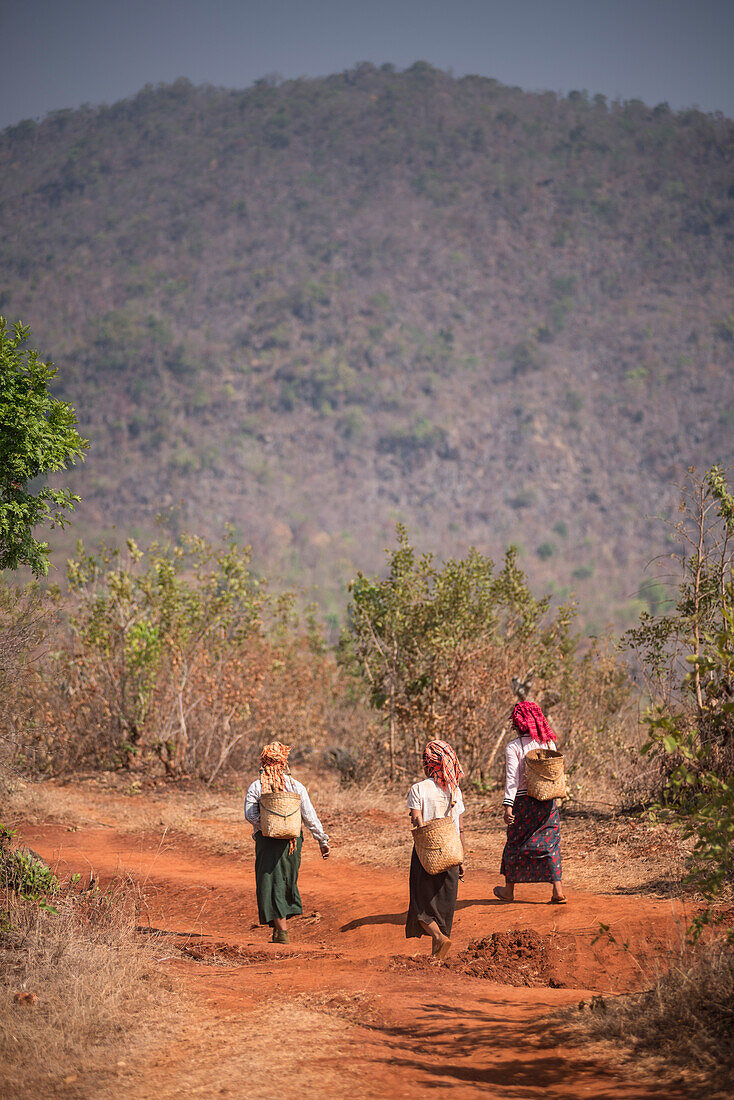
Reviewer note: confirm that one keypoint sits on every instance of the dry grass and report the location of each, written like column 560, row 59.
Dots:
column 76, row 990
column 685, row 1022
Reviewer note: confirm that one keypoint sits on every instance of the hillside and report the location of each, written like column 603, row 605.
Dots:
column 315, row 308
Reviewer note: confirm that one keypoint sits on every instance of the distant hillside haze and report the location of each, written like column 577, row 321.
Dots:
column 316, row 308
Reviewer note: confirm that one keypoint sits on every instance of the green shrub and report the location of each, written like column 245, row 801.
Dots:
column 429, row 641
column 38, row 437
column 688, row 656
column 23, row 873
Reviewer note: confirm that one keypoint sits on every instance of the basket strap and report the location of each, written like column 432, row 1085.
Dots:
column 278, row 813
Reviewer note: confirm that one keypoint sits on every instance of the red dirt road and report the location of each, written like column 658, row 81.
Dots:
column 352, row 1008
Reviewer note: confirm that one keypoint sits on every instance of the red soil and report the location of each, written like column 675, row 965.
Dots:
column 473, row 1027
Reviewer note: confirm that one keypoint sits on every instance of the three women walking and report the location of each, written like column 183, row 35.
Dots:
column 277, row 862
column 532, row 852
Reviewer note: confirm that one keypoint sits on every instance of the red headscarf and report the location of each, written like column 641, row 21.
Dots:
column 274, row 766
column 441, row 764
column 528, row 718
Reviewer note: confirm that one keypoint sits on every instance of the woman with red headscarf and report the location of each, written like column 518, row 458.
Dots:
column 533, row 849
column 433, row 897
column 277, row 862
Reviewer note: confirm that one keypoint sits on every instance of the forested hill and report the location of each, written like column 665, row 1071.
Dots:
column 315, row 308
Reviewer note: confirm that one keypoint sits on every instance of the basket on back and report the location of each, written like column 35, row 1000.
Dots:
column 438, row 845
column 544, row 774
column 280, row 815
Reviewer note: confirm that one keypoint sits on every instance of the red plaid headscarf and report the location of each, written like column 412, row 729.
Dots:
column 441, row 764
column 274, row 766
column 529, row 719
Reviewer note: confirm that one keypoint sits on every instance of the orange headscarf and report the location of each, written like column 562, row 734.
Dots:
column 274, row 766
column 441, row 764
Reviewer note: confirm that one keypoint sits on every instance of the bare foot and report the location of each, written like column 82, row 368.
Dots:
column 504, row 893
column 444, row 949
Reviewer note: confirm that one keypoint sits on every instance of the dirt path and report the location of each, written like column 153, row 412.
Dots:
column 352, row 1008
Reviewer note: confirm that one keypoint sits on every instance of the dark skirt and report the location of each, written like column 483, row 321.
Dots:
column 533, row 849
column 276, row 878
column 432, row 897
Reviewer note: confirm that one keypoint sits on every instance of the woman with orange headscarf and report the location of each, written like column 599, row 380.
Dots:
column 433, row 897
column 277, row 862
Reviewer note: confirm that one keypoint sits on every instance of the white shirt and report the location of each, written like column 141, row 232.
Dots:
column 515, row 753
column 433, row 801
column 308, row 814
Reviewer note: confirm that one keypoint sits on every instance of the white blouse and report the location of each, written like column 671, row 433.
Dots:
column 515, row 753
column 433, row 801
column 308, row 814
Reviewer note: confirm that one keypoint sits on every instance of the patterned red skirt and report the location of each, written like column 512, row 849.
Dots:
column 533, row 849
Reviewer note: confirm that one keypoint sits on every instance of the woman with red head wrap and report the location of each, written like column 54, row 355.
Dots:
column 277, row 862
column 433, row 897
column 533, row 849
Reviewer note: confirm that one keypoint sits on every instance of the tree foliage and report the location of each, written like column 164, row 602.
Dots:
column 150, row 619
column 671, row 645
column 178, row 655
column 437, row 644
column 37, row 437
column 691, row 720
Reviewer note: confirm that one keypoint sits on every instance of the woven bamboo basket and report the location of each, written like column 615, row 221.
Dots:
column 545, row 774
column 438, row 845
column 280, row 815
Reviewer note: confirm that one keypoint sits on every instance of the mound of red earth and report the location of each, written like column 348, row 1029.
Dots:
column 519, row 956
column 587, row 959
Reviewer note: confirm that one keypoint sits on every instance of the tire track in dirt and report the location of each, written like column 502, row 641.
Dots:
column 352, row 1008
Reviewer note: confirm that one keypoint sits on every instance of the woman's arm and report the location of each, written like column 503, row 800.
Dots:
column 416, row 818
column 461, row 835
column 252, row 804
column 512, row 764
column 311, row 820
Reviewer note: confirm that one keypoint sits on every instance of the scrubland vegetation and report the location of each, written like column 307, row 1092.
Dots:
column 77, row 985
column 684, row 1021
column 345, row 304
column 178, row 660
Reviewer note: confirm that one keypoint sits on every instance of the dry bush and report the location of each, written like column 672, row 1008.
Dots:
column 232, row 702
column 686, row 1018
column 26, row 615
column 259, row 691
column 75, row 987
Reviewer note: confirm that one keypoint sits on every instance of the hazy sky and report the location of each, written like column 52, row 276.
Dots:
column 61, row 53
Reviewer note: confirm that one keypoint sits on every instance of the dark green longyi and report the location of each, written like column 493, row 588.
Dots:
column 276, row 878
